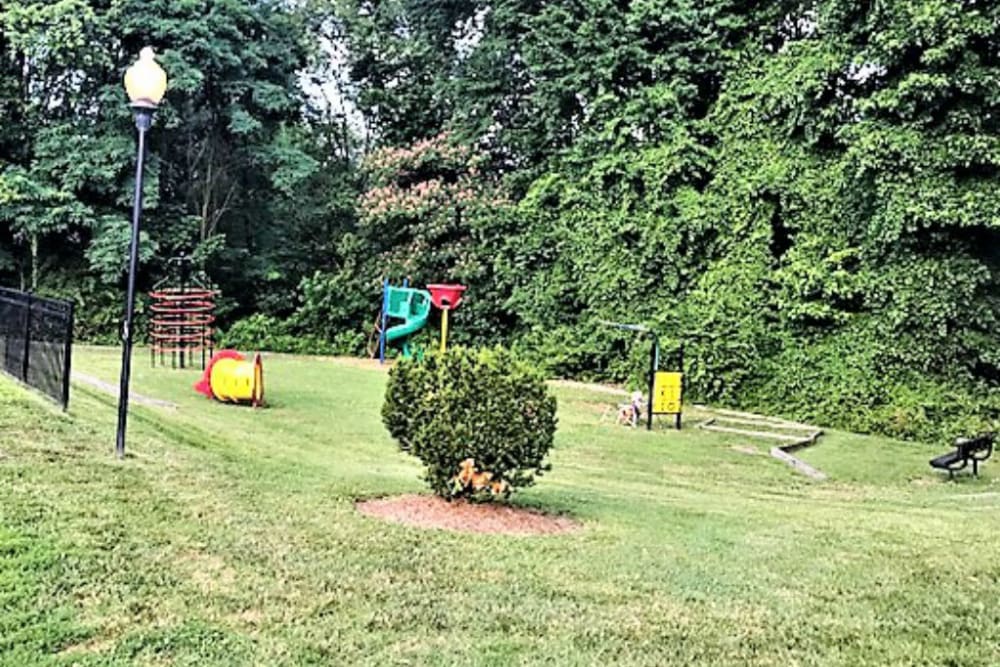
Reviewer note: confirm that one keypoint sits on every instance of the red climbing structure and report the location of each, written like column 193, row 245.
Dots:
column 182, row 318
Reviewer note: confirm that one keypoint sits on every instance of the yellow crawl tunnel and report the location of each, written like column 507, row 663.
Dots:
column 230, row 378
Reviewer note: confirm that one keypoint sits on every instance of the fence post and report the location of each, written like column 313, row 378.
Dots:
column 27, row 341
column 68, row 356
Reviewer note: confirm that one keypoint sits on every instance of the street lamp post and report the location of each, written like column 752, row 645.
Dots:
column 145, row 83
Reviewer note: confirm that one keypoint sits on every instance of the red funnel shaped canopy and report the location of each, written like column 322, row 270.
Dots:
column 446, row 297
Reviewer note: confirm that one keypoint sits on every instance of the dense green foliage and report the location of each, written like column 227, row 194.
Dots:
column 805, row 197
column 427, row 213
column 236, row 177
column 480, row 421
column 803, row 194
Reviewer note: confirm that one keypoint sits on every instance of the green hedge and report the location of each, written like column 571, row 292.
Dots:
column 481, row 421
column 263, row 332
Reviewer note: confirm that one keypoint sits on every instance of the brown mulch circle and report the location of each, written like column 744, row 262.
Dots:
column 463, row 516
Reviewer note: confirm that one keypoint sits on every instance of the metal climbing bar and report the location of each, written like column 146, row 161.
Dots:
column 182, row 318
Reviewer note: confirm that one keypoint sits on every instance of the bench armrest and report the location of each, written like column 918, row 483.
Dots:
column 983, row 453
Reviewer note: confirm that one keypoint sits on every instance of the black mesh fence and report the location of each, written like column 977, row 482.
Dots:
column 36, row 339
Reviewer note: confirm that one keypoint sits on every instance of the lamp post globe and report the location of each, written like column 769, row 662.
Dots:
column 145, row 84
column 145, row 80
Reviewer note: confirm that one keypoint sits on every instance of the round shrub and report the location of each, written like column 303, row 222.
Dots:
column 481, row 421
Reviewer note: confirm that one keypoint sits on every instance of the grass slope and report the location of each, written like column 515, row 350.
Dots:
column 229, row 537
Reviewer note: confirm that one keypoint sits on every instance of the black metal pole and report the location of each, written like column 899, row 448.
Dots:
column 654, row 363
column 143, row 121
column 680, row 367
column 182, row 327
column 26, row 359
column 68, row 356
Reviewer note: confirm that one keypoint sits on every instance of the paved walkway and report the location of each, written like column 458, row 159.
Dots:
column 108, row 388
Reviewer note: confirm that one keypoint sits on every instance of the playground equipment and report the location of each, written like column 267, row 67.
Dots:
column 183, row 314
column 446, row 298
column 413, row 307
column 230, row 378
column 666, row 388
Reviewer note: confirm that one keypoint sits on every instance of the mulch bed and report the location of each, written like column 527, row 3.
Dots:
column 463, row 516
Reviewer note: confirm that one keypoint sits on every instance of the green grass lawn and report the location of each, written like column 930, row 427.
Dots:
column 229, row 537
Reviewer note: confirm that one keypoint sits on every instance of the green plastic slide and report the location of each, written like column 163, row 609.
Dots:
column 413, row 306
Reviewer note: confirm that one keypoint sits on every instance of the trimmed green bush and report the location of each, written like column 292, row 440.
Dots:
column 265, row 332
column 481, row 421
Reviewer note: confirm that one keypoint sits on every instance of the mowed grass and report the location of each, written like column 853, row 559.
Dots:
column 229, row 537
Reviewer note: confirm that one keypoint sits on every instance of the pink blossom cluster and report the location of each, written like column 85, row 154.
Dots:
column 392, row 158
column 392, row 199
column 426, row 188
column 424, row 197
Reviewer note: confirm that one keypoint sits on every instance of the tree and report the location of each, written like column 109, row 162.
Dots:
column 225, row 153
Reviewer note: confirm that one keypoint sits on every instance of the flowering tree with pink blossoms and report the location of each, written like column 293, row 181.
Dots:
column 433, row 217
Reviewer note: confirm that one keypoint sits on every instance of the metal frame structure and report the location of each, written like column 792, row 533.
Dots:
column 654, row 366
column 182, row 317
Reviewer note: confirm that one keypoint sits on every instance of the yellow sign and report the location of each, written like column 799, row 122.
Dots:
column 667, row 387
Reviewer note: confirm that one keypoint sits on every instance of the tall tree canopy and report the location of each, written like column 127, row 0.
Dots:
column 229, row 152
column 804, row 194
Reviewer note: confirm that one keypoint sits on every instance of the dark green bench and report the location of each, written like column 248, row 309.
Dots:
column 975, row 449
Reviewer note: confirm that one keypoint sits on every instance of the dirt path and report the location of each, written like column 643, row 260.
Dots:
column 111, row 389
column 602, row 388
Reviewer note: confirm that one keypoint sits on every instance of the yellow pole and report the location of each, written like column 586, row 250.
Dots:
column 444, row 329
